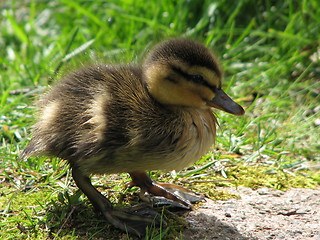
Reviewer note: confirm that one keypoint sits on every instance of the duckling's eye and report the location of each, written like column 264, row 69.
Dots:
column 197, row 79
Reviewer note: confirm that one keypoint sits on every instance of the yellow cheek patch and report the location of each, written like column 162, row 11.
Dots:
column 170, row 86
column 173, row 92
column 204, row 92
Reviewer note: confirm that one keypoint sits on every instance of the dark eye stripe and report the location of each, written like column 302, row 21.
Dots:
column 197, row 79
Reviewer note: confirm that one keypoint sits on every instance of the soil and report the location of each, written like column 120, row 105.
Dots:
column 259, row 214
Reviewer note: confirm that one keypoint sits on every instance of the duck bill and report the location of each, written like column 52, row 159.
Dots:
column 223, row 102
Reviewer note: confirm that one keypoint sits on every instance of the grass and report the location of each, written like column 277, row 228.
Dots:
column 270, row 53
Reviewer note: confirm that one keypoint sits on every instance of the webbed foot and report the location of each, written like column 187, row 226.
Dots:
column 165, row 193
column 134, row 220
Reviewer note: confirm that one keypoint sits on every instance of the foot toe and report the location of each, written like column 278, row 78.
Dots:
column 135, row 220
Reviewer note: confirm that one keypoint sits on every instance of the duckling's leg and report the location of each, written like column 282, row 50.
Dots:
column 132, row 220
column 179, row 196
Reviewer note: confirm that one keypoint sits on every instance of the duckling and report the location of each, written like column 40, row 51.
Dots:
column 106, row 119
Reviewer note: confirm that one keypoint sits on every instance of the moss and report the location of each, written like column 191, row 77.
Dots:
column 315, row 176
column 260, row 176
column 26, row 210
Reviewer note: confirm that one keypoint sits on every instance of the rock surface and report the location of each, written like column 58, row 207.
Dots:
column 259, row 214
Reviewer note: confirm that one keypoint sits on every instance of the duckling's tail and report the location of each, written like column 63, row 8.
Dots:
column 29, row 151
column 26, row 153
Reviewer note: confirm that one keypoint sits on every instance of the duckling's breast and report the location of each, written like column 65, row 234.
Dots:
column 197, row 139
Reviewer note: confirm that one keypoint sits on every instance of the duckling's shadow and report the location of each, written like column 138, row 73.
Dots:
column 203, row 226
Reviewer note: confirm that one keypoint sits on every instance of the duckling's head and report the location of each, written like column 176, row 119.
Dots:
column 183, row 72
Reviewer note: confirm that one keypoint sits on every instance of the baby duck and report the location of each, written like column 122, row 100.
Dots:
column 111, row 119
